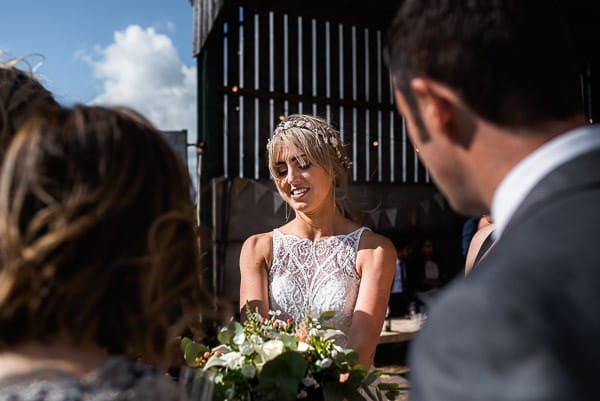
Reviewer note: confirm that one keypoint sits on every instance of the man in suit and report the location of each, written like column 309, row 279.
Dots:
column 491, row 96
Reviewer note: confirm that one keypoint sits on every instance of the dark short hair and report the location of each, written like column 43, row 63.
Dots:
column 98, row 242
column 511, row 61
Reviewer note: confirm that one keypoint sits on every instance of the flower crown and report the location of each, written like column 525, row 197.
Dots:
column 324, row 132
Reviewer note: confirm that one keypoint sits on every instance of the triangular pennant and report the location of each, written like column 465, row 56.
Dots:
column 426, row 204
column 277, row 202
column 259, row 191
column 440, row 200
column 238, row 185
column 392, row 214
column 375, row 215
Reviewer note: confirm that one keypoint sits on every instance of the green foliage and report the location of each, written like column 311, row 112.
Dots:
column 269, row 359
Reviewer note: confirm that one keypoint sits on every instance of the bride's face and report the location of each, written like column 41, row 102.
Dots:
column 304, row 186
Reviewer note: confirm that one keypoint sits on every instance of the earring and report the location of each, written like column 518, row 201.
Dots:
column 287, row 212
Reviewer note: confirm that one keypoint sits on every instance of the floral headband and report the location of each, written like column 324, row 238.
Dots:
column 324, row 132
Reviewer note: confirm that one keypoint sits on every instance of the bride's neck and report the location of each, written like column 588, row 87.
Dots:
column 315, row 226
column 76, row 360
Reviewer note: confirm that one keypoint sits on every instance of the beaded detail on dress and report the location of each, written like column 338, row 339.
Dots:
column 315, row 276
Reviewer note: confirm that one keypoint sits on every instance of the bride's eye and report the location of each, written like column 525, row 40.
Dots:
column 281, row 173
column 304, row 166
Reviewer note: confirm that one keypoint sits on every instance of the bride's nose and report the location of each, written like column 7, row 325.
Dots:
column 293, row 175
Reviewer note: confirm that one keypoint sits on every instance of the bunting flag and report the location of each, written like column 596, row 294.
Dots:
column 238, row 186
column 425, row 205
column 375, row 215
column 440, row 200
column 392, row 215
column 259, row 191
column 277, row 202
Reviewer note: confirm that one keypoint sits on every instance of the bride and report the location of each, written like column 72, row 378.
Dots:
column 320, row 260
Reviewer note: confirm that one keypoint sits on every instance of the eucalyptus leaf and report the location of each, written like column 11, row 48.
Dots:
column 327, row 315
column 192, row 351
column 184, row 342
column 372, row 376
column 280, row 377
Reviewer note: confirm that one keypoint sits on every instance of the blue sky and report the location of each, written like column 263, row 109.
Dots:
column 124, row 52
column 62, row 29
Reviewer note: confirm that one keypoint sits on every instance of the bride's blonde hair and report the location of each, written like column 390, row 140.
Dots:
column 315, row 141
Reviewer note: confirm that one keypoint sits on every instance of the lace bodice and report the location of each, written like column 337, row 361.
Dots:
column 315, row 276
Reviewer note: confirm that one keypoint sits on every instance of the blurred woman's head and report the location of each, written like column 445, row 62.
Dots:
column 21, row 95
column 97, row 237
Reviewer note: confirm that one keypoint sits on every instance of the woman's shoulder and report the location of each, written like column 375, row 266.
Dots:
column 370, row 240
column 259, row 239
column 258, row 245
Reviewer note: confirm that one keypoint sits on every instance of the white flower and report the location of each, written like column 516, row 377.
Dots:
column 248, row 371
column 271, row 349
column 274, row 312
column 309, row 382
column 246, row 348
column 302, row 394
column 233, row 360
column 334, row 353
column 302, row 347
column 324, row 363
column 239, row 338
column 256, row 340
column 313, row 332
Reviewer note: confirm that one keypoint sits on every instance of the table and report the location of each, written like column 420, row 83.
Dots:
column 401, row 330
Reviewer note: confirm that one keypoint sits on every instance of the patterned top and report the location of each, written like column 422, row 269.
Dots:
column 315, row 276
column 117, row 380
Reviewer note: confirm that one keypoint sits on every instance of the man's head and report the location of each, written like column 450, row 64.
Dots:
column 461, row 67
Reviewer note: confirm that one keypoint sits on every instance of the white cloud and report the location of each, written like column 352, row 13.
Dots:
column 141, row 69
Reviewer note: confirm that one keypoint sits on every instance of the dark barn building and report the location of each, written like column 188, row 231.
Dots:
column 261, row 60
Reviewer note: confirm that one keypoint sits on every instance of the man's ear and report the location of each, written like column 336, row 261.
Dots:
column 436, row 103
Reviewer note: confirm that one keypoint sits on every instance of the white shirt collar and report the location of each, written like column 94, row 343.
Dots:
column 528, row 172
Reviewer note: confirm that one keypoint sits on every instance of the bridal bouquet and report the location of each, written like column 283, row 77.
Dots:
column 267, row 358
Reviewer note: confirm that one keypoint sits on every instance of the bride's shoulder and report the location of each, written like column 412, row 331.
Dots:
column 370, row 240
column 258, row 244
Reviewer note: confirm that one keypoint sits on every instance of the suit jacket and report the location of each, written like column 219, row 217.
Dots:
column 524, row 325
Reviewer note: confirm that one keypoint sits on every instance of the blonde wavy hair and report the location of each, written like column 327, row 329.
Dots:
column 21, row 95
column 98, row 243
column 317, row 142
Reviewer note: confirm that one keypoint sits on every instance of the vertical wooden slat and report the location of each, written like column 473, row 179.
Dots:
column 283, row 64
column 256, row 100
column 240, row 109
column 225, row 100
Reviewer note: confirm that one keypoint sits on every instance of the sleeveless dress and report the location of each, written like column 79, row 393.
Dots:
column 315, row 276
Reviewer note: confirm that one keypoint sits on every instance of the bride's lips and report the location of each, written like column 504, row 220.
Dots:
column 298, row 193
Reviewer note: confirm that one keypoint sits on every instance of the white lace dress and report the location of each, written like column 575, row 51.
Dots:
column 315, row 276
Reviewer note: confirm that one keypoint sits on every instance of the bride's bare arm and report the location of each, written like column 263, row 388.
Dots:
column 255, row 259
column 375, row 263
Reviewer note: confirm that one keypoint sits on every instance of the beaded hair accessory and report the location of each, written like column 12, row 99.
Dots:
column 323, row 131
